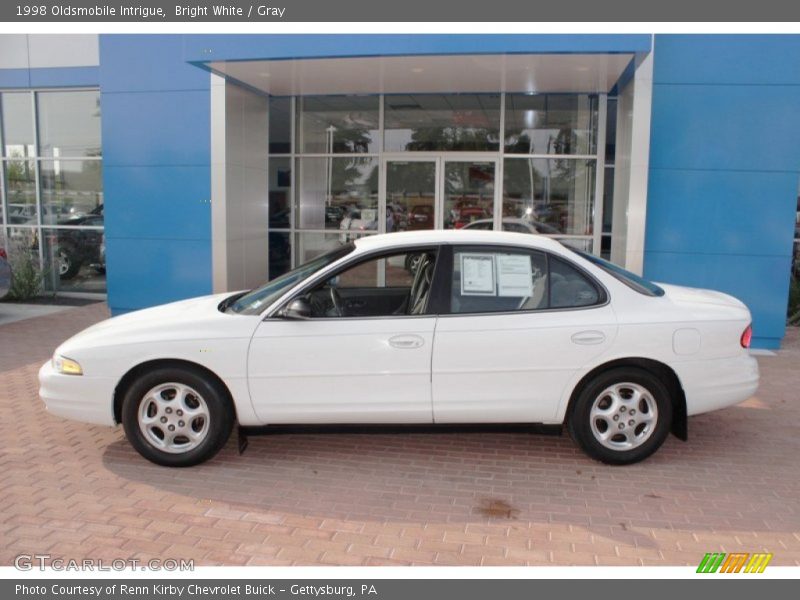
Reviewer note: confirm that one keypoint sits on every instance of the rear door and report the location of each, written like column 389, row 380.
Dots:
column 521, row 323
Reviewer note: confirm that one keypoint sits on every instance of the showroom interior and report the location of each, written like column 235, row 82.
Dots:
column 199, row 163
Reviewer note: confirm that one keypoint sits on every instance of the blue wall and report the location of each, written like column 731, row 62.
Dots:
column 724, row 169
column 156, row 171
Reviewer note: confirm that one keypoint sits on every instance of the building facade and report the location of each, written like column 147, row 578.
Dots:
column 158, row 167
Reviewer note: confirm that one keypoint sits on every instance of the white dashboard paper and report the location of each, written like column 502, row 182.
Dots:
column 514, row 275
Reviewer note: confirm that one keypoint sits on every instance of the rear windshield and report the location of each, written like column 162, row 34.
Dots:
column 633, row 281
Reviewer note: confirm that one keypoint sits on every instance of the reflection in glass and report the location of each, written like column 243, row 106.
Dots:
column 551, row 124
column 22, row 241
column 17, row 120
column 69, row 123
column 431, row 122
column 280, row 125
column 608, row 199
column 611, row 130
column 338, row 124
column 74, row 260
column 280, row 253
column 554, row 193
column 468, row 193
column 21, row 192
column 71, row 191
column 337, row 193
column 410, row 195
column 311, row 245
column 280, row 189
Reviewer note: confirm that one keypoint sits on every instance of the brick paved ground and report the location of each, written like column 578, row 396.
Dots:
column 76, row 490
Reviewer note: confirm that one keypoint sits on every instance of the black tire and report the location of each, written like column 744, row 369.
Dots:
column 220, row 415
column 71, row 263
column 581, row 428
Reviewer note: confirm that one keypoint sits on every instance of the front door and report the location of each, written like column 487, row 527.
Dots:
column 364, row 356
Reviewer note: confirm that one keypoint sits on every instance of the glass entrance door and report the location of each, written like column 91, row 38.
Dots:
column 439, row 192
column 468, row 193
column 411, row 202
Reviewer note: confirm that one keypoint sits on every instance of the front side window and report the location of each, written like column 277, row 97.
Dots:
column 506, row 280
column 255, row 301
column 390, row 285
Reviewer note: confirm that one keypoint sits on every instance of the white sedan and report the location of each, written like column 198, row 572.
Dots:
column 488, row 327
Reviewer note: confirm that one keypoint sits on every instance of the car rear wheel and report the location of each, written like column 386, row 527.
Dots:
column 621, row 416
column 176, row 417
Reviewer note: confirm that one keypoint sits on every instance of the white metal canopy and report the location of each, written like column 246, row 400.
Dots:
column 491, row 73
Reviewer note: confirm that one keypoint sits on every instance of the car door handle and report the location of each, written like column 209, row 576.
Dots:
column 406, row 342
column 588, row 338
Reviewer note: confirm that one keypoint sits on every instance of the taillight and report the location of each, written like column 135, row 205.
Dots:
column 747, row 336
column 3, row 253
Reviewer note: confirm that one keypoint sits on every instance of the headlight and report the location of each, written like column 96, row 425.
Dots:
column 66, row 366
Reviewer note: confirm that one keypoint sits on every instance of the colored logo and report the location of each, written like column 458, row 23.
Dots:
column 735, row 562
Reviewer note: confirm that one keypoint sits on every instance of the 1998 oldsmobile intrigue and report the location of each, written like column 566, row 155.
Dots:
column 419, row 327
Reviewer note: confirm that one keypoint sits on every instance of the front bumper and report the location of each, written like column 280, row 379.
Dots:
column 77, row 397
column 714, row 384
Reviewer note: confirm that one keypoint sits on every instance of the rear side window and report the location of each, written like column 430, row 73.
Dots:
column 569, row 288
column 506, row 280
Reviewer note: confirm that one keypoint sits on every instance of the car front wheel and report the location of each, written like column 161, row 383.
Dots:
column 621, row 416
column 176, row 417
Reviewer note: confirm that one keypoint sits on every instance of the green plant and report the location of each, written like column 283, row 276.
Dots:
column 794, row 301
column 26, row 277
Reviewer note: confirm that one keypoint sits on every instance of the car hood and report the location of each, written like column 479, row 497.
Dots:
column 196, row 318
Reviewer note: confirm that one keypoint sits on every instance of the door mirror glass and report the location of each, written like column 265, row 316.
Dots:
column 299, row 308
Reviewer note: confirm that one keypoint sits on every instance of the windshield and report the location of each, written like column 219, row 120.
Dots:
column 633, row 281
column 255, row 301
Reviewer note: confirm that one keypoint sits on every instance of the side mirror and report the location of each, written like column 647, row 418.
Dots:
column 299, row 308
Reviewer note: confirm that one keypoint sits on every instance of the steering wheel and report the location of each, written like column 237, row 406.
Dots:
column 336, row 299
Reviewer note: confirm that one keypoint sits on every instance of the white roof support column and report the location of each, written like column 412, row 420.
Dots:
column 632, row 166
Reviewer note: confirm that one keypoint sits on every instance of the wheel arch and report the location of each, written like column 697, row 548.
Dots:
column 129, row 377
column 664, row 372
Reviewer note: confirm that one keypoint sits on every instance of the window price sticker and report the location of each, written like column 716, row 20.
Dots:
column 477, row 275
column 514, row 275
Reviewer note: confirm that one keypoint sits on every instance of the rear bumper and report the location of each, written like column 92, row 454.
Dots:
column 80, row 398
column 714, row 384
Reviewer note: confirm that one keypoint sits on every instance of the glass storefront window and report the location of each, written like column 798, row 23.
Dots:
column 72, row 191
column 69, row 194
column 21, row 192
column 554, row 195
column 74, row 260
column 439, row 122
column 69, row 123
column 551, row 124
column 280, row 253
column 310, row 245
column 337, row 193
column 338, row 124
column 280, row 189
column 280, row 125
column 17, row 122
column 425, row 180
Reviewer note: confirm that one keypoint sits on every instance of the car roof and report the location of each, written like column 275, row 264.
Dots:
column 456, row 236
